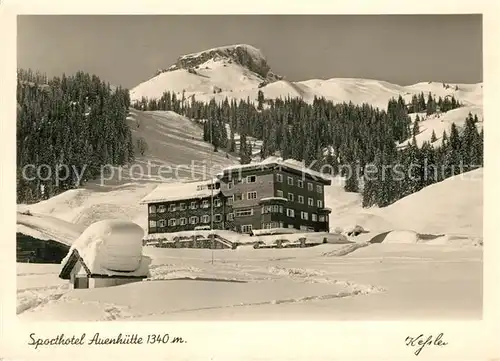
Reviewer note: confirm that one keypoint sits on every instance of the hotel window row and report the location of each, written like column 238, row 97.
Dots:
column 247, row 179
column 290, row 212
column 272, row 225
column 300, row 199
column 182, row 206
column 183, row 221
column 300, row 183
column 241, row 196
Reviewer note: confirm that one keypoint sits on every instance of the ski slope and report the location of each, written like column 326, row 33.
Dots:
column 176, row 153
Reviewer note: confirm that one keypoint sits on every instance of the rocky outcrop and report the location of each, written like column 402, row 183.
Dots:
column 245, row 55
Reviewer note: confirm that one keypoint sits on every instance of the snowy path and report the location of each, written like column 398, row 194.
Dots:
column 393, row 281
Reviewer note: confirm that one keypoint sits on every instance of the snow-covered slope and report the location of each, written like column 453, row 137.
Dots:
column 176, row 152
column 453, row 206
column 442, row 122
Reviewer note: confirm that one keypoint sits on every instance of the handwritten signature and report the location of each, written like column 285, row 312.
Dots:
column 421, row 341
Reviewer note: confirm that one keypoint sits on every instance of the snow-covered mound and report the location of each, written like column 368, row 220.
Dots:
column 111, row 245
column 453, row 207
column 401, row 236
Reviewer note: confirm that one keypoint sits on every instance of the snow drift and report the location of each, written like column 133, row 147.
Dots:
column 453, row 206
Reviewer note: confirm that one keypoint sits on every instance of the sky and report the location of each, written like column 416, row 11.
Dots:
column 128, row 49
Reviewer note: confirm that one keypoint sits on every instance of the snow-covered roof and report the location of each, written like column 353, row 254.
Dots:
column 49, row 228
column 110, row 248
column 287, row 164
column 179, row 191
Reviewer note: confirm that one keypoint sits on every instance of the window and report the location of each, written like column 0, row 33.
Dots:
column 152, row 224
column 301, row 199
column 182, row 221
column 281, row 209
column 217, row 202
column 322, row 218
column 300, row 184
column 193, row 205
column 230, row 200
column 252, row 195
column 290, row 212
column 290, row 197
column 205, row 204
column 238, row 196
column 319, row 188
column 276, row 209
column 304, row 216
column 205, row 218
column 246, row 228
column 320, row 203
column 314, row 217
column 161, row 208
column 279, row 178
column 171, row 208
column 172, row 222
column 230, row 216
column 310, row 202
column 201, row 187
column 270, row 225
column 230, row 185
column 309, row 186
column 161, row 223
column 193, row 220
column 251, row 179
column 244, row 212
column 279, row 193
column 182, row 206
column 217, row 218
column 152, row 209
column 290, row 181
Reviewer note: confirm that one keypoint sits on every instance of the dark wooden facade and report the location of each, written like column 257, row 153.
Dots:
column 187, row 218
column 284, row 198
column 34, row 250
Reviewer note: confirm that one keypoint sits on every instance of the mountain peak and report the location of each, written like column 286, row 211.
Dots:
column 243, row 54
